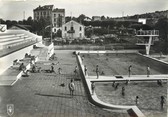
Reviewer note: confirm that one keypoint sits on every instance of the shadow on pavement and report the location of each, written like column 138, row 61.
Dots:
column 48, row 95
column 73, row 95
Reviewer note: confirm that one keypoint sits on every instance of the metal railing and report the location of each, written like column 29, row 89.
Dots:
column 147, row 32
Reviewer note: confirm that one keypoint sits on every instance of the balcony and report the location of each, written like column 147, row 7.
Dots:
column 71, row 31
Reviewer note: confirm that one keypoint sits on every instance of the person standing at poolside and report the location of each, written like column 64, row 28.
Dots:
column 129, row 70
column 33, row 68
column 97, row 71
column 162, row 101
column 113, row 85
column 148, row 71
column 137, row 100
column 75, row 71
column 85, row 70
column 52, row 69
column 92, row 87
column 83, row 57
column 71, row 87
column 123, row 91
column 59, row 70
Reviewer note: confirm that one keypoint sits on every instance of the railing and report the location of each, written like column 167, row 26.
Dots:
column 147, row 32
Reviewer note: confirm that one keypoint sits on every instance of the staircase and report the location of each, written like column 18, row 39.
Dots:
column 43, row 55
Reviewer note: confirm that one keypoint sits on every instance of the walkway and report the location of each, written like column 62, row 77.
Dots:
column 126, row 78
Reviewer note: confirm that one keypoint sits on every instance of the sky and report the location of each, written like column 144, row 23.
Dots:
column 14, row 9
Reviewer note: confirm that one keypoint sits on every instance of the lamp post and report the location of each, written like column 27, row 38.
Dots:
column 50, row 31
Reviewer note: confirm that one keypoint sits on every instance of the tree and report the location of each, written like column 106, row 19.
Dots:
column 29, row 21
column 67, row 19
column 103, row 18
column 2, row 21
column 35, row 26
column 88, row 32
column 29, row 18
column 24, row 22
column 59, row 33
column 136, row 26
column 20, row 22
column 81, row 18
column 162, row 26
column 8, row 23
column 40, row 25
column 14, row 22
column 147, row 27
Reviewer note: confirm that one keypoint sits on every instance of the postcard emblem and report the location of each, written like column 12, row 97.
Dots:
column 10, row 109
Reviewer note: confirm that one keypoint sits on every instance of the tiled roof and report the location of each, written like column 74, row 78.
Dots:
column 59, row 10
column 25, row 27
column 73, row 21
column 45, row 7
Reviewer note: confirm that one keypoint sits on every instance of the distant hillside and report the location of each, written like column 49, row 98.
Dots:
column 156, row 14
column 152, row 18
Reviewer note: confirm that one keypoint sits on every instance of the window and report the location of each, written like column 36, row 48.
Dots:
column 80, row 28
column 72, row 28
column 71, row 23
column 65, row 28
column 44, row 13
column 59, row 24
column 55, row 30
column 54, row 19
column 54, row 15
column 80, row 35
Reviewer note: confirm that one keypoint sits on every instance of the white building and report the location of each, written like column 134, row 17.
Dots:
column 72, row 30
column 142, row 20
column 87, row 19
column 96, row 18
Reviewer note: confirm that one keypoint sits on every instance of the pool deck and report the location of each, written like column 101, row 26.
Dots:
column 47, row 94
